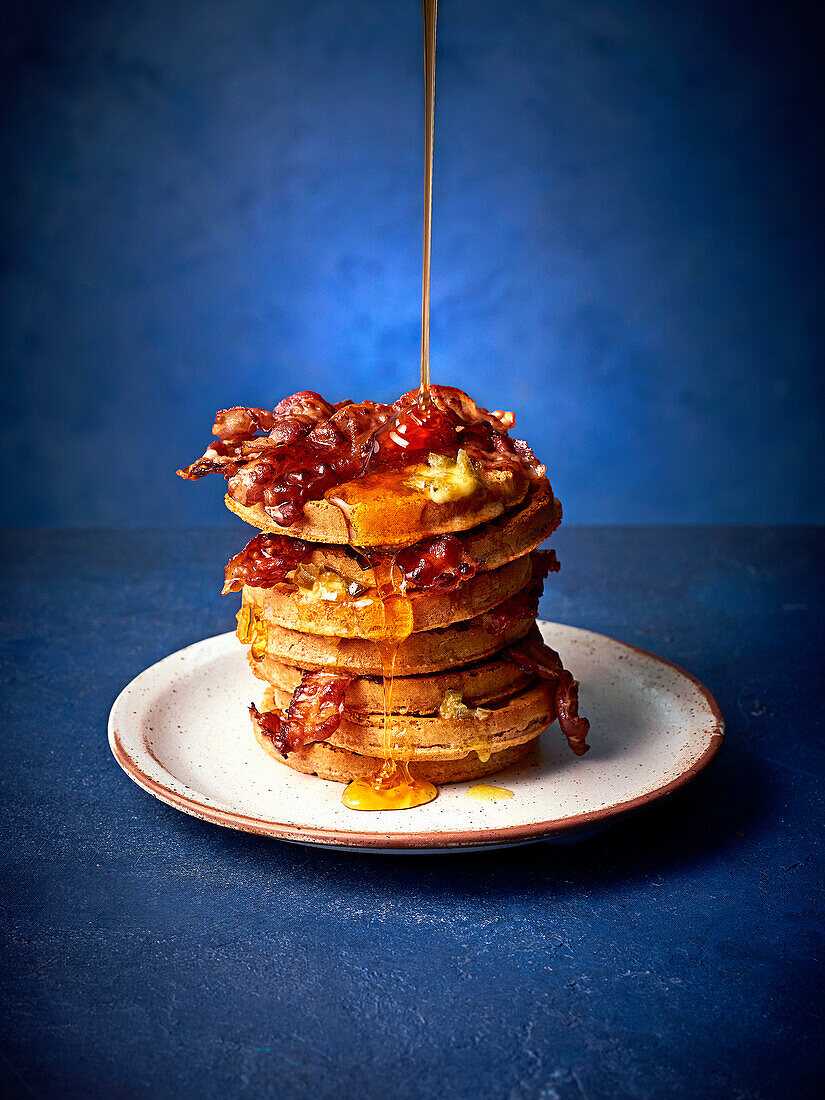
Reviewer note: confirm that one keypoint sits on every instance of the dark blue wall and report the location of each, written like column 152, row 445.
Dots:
column 213, row 203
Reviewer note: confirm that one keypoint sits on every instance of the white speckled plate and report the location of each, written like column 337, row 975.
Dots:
column 181, row 730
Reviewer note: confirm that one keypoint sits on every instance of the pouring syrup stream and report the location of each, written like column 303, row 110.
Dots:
column 430, row 11
column 393, row 787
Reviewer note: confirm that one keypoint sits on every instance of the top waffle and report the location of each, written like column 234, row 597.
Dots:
column 383, row 510
column 369, row 474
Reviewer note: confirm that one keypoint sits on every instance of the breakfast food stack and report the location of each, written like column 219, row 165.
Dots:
column 389, row 600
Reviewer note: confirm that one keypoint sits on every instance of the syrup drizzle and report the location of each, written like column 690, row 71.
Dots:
column 430, row 12
column 393, row 787
column 485, row 792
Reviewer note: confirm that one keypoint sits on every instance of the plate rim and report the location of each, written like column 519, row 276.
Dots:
column 390, row 841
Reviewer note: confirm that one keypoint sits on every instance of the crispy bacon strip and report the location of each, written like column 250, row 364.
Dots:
column 272, row 726
column 234, row 425
column 439, row 564
column 544, row 562
column 307, row 404
column 524, row 604
column 265, row 561
column 317, row 706
column 305, row 446
column 216, row 457
column 314, row 712
column 451, row 400
column 534, row 656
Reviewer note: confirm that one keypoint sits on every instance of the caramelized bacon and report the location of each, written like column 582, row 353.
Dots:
column 525, row 604
column 436, row 565
column 265, row 561
column 317, row 706
column 314, row 713
column 433, row 565
column 532, row 655
column 215, row 457
column 544, row 562
column 416, row 428
column 234, row 425
column 272, row 725
column 306, row 405
column 305, row 446
column 462, row 407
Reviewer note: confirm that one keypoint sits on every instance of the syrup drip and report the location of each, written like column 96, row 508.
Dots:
column 251, row 631
column 430, row 11
column 393, row 787
column 484, row 792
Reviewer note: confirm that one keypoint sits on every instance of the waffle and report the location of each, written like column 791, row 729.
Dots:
column 392, row 518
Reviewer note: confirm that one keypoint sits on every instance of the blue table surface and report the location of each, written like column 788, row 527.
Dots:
column 678, row 953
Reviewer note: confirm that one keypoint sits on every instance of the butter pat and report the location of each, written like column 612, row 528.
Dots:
column 445, row 479
column 453, row 706
column 321, row 583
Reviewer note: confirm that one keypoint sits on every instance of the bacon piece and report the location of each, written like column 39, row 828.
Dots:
column 272, row 726
column 544, row 562
column 314, row 713
column 439, row 564
column 265, row 561
column 451, row 400
column 534, row 656
column 215, row 457
column 525, row 604
column 307, row 404
column 233, row 425
column 359, row 422
column 248, row 484
column 317, row 706
column 500, row 452
column 203, row 466
column 416, row 428
column 305, row 446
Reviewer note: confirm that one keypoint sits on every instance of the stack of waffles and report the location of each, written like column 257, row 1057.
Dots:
column 374, row 654
column 390, row 598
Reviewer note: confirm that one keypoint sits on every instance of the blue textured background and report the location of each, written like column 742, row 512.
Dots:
column 214, row 203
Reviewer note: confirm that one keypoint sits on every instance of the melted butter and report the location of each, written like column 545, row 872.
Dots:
column 484, row 792
column 318, row 582
column 443, row 479
column 252, row 631
column 453, row 706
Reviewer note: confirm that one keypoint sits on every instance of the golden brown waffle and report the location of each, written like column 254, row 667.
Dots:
column 329, row 762
column 480, row 685
column 395, row 513
column 516, row 532
column 428, row 651
column 363, row 617
column 511, row 721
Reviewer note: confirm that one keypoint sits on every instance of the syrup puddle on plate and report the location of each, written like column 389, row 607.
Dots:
column 484, row 792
